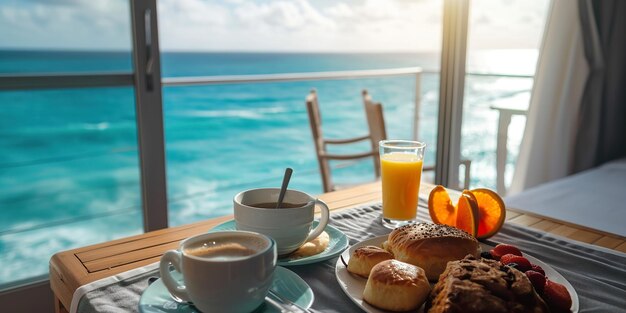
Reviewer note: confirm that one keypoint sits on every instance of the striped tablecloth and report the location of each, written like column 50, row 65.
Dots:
column 598, row 275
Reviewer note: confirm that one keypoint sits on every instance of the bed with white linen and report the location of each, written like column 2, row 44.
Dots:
column 595, row 198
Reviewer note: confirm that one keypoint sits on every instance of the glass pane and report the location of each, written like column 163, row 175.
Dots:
column 495, row 85
column 222, row 139
column 69, row 175
column 64, row 36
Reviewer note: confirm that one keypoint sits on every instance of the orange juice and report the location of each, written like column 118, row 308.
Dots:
column 401, row 174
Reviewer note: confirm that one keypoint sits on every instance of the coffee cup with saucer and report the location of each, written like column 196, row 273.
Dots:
column 225, row 271
column 290, row 224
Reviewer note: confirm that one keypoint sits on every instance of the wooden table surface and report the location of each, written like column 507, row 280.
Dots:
column 74, row 268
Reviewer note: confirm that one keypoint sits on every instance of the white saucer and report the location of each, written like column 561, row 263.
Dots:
column 156, row 298
column 337, row 244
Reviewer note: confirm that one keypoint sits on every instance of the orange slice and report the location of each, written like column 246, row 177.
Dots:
column 467, row 213
column 491, row 212
column 440, row 207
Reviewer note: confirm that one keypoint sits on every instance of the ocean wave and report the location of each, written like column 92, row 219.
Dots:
column 255, row 114
column 69, row 128
column 97, row 126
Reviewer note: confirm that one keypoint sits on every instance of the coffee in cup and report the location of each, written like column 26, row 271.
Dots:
column 226, row 271
column 272, row 205
column 226, row 249
column 290, row 225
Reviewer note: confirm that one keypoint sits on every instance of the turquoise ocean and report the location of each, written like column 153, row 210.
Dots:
column 69, row 171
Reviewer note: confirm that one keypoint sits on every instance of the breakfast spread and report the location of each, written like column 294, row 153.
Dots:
column 499, row 280
column 430, row 246
column 364, row 258
column 396, row 286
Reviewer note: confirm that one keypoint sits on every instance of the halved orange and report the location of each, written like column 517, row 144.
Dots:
column 480, row 212
column 440, row 207
column 491, row 212
column 467, row 213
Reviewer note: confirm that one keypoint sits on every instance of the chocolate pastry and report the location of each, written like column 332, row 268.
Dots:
column 475, row 285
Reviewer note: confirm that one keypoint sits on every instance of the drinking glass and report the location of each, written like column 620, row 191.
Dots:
column 401, row 172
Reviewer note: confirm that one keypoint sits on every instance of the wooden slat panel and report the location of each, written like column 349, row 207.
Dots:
column 525, row 220
column 141, row 243
column 67, row 273
column 352, row 202
column 511, row 214
column 609, row 242
column 576, row 233
column 129, row 257
column 545, row 225
column 597, row 231
column 621, row 248
column 347, row 193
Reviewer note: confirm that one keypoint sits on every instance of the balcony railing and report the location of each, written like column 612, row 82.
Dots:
column 84, row 80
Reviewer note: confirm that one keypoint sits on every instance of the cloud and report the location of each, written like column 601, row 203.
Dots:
column 66, row 24
column 265, row 25
column 282, row 15
column 505, row 25
column 302, row 25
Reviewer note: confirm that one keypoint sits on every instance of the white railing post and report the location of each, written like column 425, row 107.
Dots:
column 504, row 120
column 418, row 103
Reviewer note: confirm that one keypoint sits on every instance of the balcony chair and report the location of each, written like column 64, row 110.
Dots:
column 376, row 125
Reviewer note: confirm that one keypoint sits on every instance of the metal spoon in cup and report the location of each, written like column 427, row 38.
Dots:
column 283, row 188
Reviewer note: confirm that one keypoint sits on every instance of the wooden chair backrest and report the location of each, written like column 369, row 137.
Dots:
column 376, row 125
column 375, row 119
column 315, row 121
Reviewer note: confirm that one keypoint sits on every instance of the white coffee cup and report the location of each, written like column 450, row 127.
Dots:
column 226, row 271
column 289, row 226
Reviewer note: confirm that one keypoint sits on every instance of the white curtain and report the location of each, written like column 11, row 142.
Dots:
column 546, row 152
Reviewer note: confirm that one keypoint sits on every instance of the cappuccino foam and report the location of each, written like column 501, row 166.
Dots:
column 226, row 248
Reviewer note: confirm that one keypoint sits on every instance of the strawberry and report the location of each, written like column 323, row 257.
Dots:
column 502, row 249
column 556, row 296
column 522, row 263
column 537, row 279
column 537, row 268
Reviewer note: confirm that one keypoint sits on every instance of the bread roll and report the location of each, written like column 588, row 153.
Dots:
column 431, row 246
column 396, row 286
column 364, row 258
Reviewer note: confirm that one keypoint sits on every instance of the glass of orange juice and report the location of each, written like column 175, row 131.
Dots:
column 401, row 172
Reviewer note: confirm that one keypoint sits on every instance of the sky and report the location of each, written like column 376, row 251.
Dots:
column 269, row 25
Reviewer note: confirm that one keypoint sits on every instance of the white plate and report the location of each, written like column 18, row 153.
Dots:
column 354, row 285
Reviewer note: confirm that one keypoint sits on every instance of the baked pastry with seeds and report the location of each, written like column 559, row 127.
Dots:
column 430, row 246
